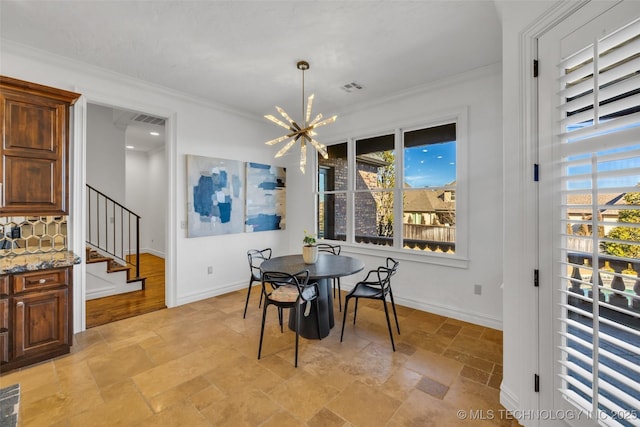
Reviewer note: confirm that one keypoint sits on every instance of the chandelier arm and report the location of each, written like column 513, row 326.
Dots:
column 309, row 107
column 325, row 122
column 286, row 148
column 285, row 115
column 303, row 155
column 276, row 121
column 319, row 147
column 316, row 119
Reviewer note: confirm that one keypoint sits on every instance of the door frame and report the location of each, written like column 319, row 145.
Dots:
column 78, row 215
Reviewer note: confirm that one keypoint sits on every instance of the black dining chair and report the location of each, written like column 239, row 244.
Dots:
column 255, row 258
column 291, row 291
column 376, row 285
column 335, row 250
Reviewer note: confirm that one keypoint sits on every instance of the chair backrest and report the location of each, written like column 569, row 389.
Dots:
column 386, row 272
column 255, row 258
column 278, row 279
column 325, row 247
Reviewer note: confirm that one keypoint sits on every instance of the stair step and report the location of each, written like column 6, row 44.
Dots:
column 113, row 266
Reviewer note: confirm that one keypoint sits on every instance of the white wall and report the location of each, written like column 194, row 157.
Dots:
column 155, row 220
column 105, row 153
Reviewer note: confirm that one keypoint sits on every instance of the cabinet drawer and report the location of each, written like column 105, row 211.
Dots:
column 4, row 285
column 38, row 280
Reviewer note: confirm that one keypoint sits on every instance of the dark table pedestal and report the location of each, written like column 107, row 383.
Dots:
column 308, row 328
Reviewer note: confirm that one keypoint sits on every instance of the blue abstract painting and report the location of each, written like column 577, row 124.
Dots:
column 215, row 195
column 266, row 197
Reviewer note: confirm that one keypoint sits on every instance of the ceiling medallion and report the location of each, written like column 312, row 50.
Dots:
column 303, row 132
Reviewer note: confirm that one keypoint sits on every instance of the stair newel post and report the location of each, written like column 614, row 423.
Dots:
column 137, row 246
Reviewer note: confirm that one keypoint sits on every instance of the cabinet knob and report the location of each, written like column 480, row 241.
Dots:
column 41, row 281
column 19, row 304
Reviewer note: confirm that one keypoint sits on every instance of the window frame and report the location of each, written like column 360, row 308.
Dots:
column 460, row 259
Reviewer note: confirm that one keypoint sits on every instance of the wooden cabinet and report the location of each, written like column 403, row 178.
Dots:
column 37, row 315
column 35, row 148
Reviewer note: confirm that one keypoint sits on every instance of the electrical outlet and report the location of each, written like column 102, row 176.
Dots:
column 477, row 289
column 209, row 270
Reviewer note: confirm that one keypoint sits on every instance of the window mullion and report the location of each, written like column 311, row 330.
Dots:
column 398, row 226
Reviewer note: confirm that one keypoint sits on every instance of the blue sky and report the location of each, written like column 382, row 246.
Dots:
column 432, row 165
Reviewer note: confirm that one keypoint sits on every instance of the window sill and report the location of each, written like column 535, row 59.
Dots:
column 454, row 261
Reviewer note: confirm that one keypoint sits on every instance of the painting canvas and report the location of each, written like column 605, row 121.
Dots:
column 266, row 197
column 215, row 196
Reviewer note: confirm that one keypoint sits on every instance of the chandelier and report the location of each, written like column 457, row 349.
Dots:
column 304, row 132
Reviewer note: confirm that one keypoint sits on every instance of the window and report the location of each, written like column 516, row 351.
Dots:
column 396, row 189
column 332, row 193
column 429, row 188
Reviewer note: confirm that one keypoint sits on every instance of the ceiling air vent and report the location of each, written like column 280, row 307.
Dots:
column 350, row 87
column 145, row 118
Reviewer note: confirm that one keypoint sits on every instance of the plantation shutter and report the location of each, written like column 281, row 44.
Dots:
column 598, row 285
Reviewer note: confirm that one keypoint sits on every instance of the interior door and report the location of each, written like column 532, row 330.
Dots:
column 589, row 215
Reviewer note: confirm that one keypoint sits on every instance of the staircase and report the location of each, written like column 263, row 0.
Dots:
column 113, row 247
column 106, row 276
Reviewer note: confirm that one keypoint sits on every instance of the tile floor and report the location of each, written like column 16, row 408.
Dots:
column 196, row 365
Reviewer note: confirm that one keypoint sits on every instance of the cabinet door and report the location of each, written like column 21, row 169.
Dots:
column 41, row 322
column 4, row 330
column 34, row 153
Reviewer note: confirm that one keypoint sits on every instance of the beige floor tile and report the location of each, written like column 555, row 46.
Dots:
column 421, row 409
column 303, row 394
column 123, row 405
column 363, row 405
column 197, row 365
column 326, row 418
column 251, row 408
column 435, row 366
column 180, row 414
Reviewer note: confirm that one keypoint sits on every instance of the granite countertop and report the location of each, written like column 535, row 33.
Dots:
column 39, row 261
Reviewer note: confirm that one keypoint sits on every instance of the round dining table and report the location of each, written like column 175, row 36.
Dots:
column 325, row 268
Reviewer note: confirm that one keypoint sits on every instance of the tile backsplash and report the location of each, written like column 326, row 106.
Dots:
column 32, row 234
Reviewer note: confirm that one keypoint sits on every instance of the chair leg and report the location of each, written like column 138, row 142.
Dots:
column 260, row 303
column 264, row 317
column 355, row 311
column 297, row 332
column 339, row 293
column 344, row 316
column 280, row 318
column 248, row 295
column 386, row 313
column 393, row 305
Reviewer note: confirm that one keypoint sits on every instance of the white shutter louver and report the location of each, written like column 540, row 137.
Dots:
column 600, row 217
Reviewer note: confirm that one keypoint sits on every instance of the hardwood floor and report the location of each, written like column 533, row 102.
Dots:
column 109, row 309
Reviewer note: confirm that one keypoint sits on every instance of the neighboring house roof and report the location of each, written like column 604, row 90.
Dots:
column 611, row 199
column 426, row 200
column 371, row 159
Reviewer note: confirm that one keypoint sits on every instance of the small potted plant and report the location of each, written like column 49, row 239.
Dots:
column 309, row 248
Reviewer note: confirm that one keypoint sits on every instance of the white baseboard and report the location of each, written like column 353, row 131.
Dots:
column 443, row 310
column 456, row 313
column 210, row 293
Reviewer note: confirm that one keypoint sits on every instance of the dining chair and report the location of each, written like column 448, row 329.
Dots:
column 255, row 257
column 292, row 291
column 376, row 285
column 335, row 250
